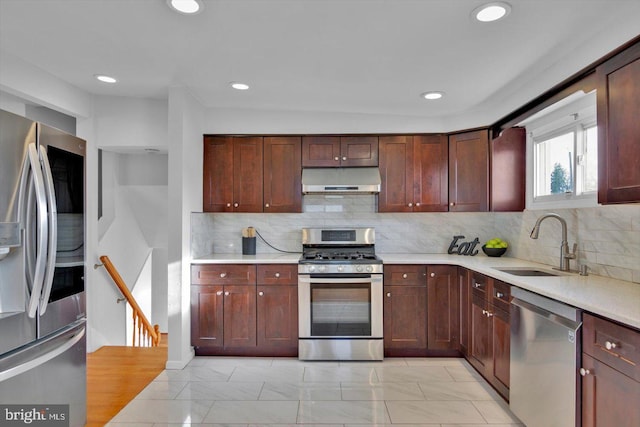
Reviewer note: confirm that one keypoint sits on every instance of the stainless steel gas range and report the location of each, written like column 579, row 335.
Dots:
column 340, row 295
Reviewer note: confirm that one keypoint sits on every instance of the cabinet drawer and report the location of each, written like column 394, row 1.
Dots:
column 278, row 274
column 479, row 283
column 405, row 275
column 501, row 295
column 223, row 274
column 613, row 344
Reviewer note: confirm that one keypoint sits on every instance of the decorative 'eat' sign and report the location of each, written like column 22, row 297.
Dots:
column 464, row 248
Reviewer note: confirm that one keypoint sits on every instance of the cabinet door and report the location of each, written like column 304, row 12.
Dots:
column 282, row 174
column 508, row 157
column 207, row 308
column 239, row 316
column 442, row 308
column 469, row 171
column 480, row 345
column 359, row 151
column 431, row 173
column 278, row 317
column 247, row 174
column 619, row 128
column 609, row 398
column 500, row 349
column 318, row 151
column 396, row 173
column 405, row 317
column 217, row 185
column 464, row 286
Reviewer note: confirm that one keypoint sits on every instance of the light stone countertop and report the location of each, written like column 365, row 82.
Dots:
column 615, row 299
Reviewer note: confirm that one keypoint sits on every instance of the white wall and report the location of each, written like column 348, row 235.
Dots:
column 185, row 196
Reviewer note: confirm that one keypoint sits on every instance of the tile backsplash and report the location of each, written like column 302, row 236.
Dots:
column 607, row 237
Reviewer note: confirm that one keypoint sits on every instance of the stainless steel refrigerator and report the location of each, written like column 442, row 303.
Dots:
column 42, row 270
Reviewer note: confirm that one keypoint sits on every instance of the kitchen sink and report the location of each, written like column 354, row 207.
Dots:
column 524, row 271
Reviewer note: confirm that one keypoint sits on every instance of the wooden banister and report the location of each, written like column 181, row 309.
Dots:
column 143, row 333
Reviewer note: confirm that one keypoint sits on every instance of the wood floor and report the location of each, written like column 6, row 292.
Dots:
column 115, row 375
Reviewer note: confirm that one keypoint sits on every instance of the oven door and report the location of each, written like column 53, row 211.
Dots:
column 336, row 306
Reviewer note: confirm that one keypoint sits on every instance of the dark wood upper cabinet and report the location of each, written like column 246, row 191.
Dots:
column 359, row 150
column 232, row 175
column 508, row 170
column 337, row 151
column 430, row 173
column 218, row 174
column 469, row 171
column 413, row 170
column 282, row 174
column 618, row 106
column 396, row 174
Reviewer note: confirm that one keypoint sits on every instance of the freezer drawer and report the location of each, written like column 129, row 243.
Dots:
column 50, row 371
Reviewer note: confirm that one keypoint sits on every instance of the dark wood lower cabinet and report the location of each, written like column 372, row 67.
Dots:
column 278, row 320
column 443, row 310
column 609, row 398
column 490, row 331
column 610, row 373
column 246, row 319
column 405, row 320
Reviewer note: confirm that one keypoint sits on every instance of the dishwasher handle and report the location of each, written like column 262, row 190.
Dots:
column 552, row 317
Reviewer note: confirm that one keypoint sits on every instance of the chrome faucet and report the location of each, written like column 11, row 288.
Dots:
column 565, row 255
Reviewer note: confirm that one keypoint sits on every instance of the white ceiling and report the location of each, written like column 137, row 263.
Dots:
column 351, row 56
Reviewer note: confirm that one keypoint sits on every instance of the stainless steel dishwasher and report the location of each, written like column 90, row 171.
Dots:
column 545, row 352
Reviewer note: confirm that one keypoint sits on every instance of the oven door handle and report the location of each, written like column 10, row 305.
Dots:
column 336, row 280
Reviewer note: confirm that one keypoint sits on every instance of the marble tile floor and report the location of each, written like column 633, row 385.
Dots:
column 216, row 391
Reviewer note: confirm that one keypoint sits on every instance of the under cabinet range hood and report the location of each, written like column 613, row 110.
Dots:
column 341, row 180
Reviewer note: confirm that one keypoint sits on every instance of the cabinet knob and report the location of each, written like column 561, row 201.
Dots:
column 610, row 345
column 266, row 205
column 228, row 205
column 477, row 285
column 219, row 293
column 484, row 312
column 584, row 372
column 452, row 204
column 410, row 205
column 236, row 204
column 227, row 293
column 336, row 158
column 261, row 293
column 344, row 158
column 277, row 275
column 433, row 275
column 499, row 294
column 388, row 294
column 223, row 275
column 417, row 204
column 489, row 314
column 404, row 276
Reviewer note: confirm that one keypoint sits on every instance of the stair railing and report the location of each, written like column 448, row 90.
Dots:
column 144, row 334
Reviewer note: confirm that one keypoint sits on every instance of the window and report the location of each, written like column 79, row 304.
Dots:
column 562, row 164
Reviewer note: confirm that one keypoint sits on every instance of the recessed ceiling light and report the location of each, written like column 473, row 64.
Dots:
column 491, row 11
column 188, row 7
column 239, row 86
column 432, row 95
column 105, row 79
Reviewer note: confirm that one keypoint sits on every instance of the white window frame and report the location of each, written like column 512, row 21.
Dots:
column 575, row 113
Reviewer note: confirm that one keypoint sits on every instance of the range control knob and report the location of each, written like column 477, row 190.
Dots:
column 359, row 268
column 369, row 268
column 341, row 268
column 311, row 268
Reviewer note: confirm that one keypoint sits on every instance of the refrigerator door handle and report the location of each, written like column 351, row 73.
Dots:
column 32, row 363
column 53, row 230
column 42, row 233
